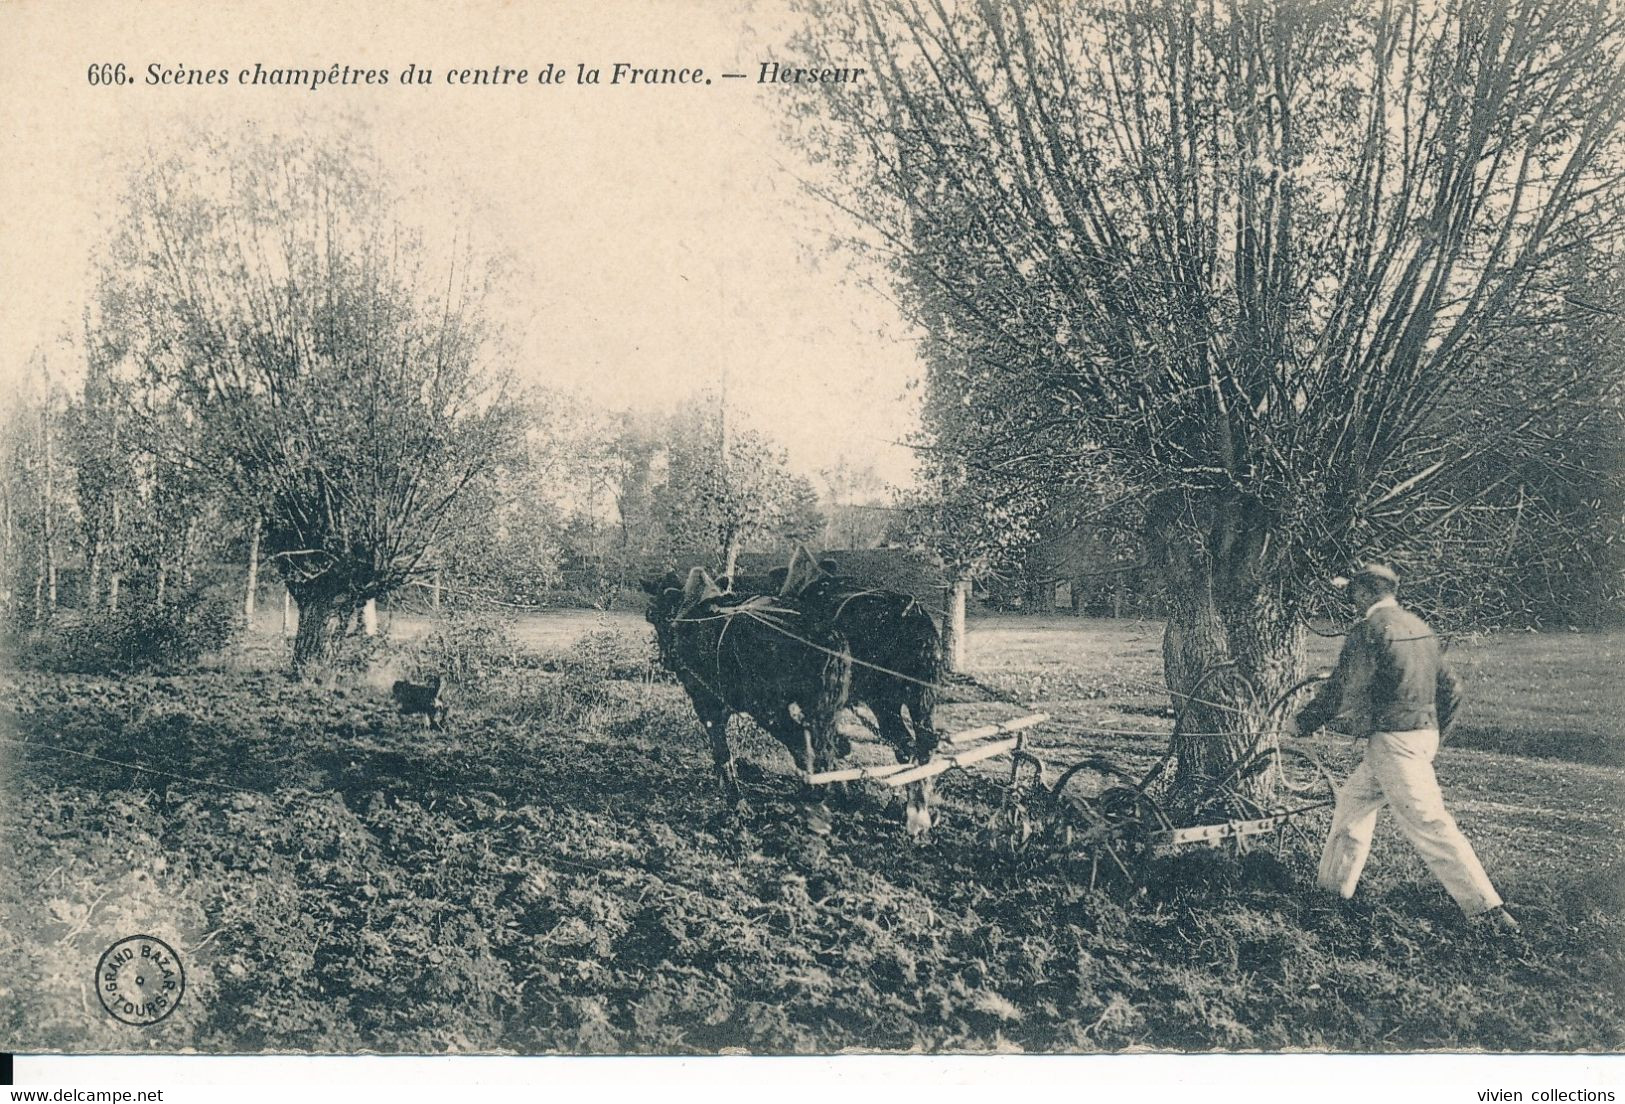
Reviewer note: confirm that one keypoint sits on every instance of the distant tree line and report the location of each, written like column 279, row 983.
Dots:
column 105, row 507
column 279, row 373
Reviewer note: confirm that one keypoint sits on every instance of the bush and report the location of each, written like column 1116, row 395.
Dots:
column 144, row 637
column 586, row 682
column 361, row 654
column 468, row 649
column 603, row 654
column 575, row 697
column 586, row 671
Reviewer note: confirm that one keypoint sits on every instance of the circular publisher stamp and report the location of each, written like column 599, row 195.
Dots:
column 140, row 980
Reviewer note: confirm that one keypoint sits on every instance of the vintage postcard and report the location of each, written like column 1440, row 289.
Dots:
column 814, row 528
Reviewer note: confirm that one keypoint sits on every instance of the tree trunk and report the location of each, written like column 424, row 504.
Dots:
column 93, row 578
column 252, row 591
column 730, row 557
column 1225, row 664
column 1040, row 594
column 434, row 591
column 953, row 629
column 316, row 642
column 113, row 575
column 287, row 613
column 183, row 557
column 1230, row 646
column 48, row 518
column 369, row 618
column 8, row 542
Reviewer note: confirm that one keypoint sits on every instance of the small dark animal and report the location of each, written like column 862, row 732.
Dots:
column 896, row 659
column 751, row 654
column 421, row 697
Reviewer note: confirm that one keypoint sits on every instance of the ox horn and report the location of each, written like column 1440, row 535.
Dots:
column 700, row 587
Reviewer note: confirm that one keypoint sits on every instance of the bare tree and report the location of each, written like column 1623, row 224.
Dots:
column 720, row 493
column 610, row 489
column 32, row 499
column 511, row 546
column 102, row 451
column 45, row 592
column 971, row 526
column 1256, row 257
column 337, row 370
column 1535, row 533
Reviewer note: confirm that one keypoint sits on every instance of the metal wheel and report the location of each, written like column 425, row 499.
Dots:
column 1100, row 812
column 1016, row 822
column 1011, row 827
column 1303, row 780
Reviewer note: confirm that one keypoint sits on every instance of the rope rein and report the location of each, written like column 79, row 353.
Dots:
column 1003, row 698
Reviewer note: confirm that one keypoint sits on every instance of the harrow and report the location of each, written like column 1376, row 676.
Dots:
column 1121, row 821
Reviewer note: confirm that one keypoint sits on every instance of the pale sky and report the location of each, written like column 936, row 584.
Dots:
column 662, row 234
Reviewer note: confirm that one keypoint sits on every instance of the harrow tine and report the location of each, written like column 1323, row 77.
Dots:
column 1112, row 853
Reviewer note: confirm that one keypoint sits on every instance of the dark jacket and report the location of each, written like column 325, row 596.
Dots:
column 1392, row 676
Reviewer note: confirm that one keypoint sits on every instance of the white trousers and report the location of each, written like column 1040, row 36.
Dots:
column 1398, row 771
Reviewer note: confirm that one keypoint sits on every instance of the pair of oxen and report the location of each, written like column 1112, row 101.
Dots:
column 791, row 650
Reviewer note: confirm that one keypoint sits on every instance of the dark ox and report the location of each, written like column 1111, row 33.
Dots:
column 896, row 657
column 738, row 653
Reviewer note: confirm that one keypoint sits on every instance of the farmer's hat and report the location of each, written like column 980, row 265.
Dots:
column 1378, row 575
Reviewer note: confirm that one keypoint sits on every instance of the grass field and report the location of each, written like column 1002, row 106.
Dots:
column 552, row 874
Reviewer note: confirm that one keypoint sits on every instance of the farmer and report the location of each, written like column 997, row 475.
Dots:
column 1394, row 681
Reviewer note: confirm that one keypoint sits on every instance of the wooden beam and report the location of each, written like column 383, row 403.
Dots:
column 854, row 774
column 960, row 759
column 1000, row 729
column 893, row 774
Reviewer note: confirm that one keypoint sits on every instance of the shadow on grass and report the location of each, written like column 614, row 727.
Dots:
column 1567, row 744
